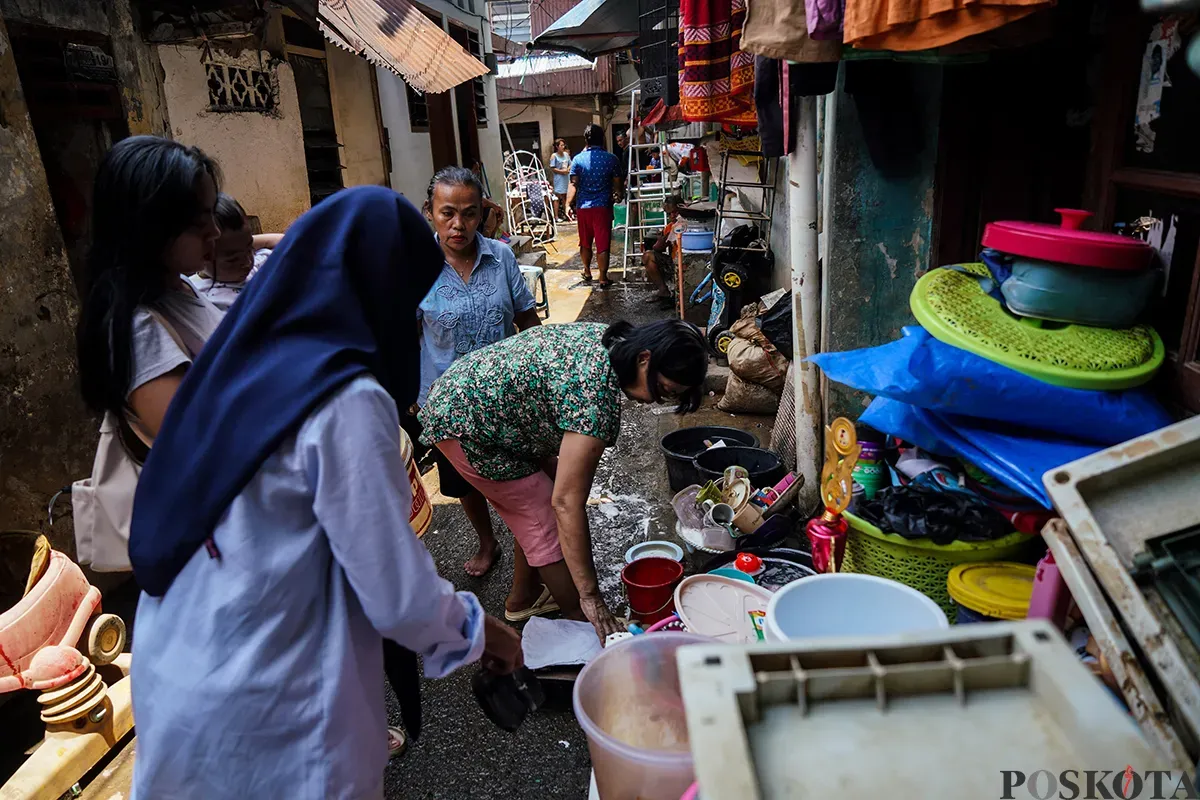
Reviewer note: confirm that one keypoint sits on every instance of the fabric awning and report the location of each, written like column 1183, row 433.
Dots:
column 592, row 28
column 395, row 35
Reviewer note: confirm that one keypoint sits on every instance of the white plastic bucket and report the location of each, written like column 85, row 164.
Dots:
column 848, row 604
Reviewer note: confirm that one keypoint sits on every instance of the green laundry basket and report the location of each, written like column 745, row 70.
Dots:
column 954, row 308
column 920, row 563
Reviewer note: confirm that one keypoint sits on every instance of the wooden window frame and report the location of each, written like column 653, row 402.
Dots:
column 1125, row 43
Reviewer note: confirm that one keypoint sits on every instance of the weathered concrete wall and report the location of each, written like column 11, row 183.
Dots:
column 141, row 74
column 71, row 14
column 531, row 112
column 354, row 114
column 412, row 158
column 137, row 62
column 261, row 154
column 881, row 229
column 47, row 438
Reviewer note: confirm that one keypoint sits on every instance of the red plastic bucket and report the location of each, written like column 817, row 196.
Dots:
column 650, row 585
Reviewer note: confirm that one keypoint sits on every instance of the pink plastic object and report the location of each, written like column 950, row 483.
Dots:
column 671, row 623
column 1051, row 599
column 38, row 635
column 692, row 792
column 827, row 541
column 1067, row 243
column 719, row 607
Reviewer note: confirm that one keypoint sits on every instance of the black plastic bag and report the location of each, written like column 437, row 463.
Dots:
column 916, row 512
column 507, row 699
column 776, row 325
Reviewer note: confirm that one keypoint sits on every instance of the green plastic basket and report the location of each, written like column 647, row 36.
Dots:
column 920, row 563
column 953, row 307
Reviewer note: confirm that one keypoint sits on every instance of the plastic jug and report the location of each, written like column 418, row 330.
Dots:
column 627, row 701
column 1050, row 599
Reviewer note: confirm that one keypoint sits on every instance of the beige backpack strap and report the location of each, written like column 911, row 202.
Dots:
column 161, row 319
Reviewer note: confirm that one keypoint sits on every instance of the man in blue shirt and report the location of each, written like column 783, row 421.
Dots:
column 596, row 181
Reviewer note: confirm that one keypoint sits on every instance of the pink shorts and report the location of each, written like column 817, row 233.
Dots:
column 595, row 223
column 523, row 504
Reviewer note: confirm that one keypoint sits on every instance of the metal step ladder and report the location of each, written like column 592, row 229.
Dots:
column 757, row 209
column 645, row 192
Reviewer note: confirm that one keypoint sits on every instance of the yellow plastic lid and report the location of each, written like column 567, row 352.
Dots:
column 999, row 589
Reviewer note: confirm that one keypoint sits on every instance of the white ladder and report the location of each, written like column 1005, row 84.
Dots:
column 645, row 190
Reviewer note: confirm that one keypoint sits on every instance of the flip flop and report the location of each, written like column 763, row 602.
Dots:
column 543, row 605
column 397, row 742
column 586, row 277
column 605, row 284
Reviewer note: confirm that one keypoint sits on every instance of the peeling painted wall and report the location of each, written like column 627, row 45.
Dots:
column 880, row 231
column 47, row 438
column 355, row 117
column 261, row 154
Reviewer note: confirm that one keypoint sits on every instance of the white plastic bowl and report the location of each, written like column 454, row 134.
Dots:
column 660, row 548
column 846, row 604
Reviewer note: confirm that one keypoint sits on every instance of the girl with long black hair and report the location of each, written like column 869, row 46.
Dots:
column 141, row 322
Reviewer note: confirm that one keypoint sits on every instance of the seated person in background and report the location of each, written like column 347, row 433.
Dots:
column 238, row 254
column 656, row 256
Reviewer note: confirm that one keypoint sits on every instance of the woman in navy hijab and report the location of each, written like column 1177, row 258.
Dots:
column 271, row 533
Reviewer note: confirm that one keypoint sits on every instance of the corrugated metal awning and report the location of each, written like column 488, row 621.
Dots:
column 592, row 28
column 395, row 35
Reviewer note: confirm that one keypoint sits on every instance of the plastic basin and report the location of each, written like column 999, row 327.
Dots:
column 697, row 240
column 627, row 701
column 765, row 468
column 682, row 446
column 846, row 604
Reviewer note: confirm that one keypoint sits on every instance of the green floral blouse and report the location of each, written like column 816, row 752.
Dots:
column 510, row 403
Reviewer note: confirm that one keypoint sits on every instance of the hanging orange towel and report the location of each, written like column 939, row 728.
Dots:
column 925, row 24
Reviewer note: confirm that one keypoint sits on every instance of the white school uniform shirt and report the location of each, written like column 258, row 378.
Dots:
column 261, row 674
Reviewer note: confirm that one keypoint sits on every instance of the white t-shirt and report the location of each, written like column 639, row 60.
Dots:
column 155, row 352
column 223, row 293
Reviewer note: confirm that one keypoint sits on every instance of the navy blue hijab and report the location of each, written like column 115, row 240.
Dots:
column 336, row 299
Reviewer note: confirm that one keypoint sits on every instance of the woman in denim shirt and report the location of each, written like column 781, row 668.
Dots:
column 479, row 298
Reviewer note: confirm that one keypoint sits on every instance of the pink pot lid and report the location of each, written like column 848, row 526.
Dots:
column 1067, row 243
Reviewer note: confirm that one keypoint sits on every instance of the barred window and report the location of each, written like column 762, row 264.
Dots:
column 238, row 89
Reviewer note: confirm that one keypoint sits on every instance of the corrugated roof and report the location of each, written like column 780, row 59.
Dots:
column 592, row 28
column 395, row 35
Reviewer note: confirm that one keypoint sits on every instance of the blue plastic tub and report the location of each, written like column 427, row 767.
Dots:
column 697, row 240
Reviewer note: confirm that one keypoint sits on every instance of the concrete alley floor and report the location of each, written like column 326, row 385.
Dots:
column 460, row 753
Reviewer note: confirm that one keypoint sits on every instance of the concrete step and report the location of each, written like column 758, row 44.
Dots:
column 537, row 259
column 715, row 380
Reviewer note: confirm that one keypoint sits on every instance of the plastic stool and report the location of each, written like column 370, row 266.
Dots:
column 535, row 278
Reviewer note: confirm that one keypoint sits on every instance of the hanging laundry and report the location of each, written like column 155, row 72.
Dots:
column 779, row 29
column 778, row 87
column 825, row 18
column 923, row 24
column 716, row 79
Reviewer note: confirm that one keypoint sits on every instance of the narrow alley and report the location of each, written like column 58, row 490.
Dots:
column 599, row 399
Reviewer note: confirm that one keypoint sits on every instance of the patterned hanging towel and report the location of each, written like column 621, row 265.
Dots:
column 716, row 79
